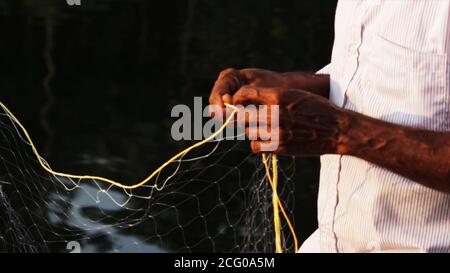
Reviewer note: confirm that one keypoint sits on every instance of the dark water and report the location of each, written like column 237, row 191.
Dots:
column 95, row 84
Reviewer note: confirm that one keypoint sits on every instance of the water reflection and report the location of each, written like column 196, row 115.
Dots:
column 89, row 196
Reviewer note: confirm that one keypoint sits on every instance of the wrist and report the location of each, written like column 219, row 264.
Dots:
column 353, row 133
column 318, row 84
column 345, row 142
column 319, row 126
column 361, row 136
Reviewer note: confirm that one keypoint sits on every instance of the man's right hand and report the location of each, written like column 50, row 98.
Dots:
column 231, row 80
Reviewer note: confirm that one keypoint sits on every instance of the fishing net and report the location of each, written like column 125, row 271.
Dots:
column 216, row 198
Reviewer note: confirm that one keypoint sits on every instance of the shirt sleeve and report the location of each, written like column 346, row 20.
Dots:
column 325, row 70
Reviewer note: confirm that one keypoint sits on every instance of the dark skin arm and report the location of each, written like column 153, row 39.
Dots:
column 310, row 125
column 420, row 155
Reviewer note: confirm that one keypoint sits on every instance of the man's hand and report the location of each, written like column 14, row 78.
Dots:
column 311, row 125
column 231, row 80
column 308, row 124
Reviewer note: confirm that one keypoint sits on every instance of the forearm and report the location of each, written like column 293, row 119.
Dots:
column 420, row 155
column 318, row 84
column 315, row 83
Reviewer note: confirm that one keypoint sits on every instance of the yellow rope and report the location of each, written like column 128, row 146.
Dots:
column 110, row 181
column 273, row 178
column 275, row 200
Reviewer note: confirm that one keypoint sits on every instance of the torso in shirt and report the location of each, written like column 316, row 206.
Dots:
column 390, row 61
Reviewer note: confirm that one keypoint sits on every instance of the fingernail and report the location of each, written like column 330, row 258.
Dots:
column 226, row 98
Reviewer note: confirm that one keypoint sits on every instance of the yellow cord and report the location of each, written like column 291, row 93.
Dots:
column 273, row 178
column 110, row 181
column 275, row 200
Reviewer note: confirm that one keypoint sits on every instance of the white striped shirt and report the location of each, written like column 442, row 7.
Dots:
column 391, row 62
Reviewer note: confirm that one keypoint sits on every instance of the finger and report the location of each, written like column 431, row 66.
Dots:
column 256, row 147
column 228, row 82
column 264, row 146
column 247, row 117
column 283, row 136
column 255, row 96
column 256, row 133
column 227, row 98
column 259, row 147
column 262, row 117
column 219, row 102
column 253, row 133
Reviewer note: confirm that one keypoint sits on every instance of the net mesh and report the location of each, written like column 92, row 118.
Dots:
column 215, row 199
